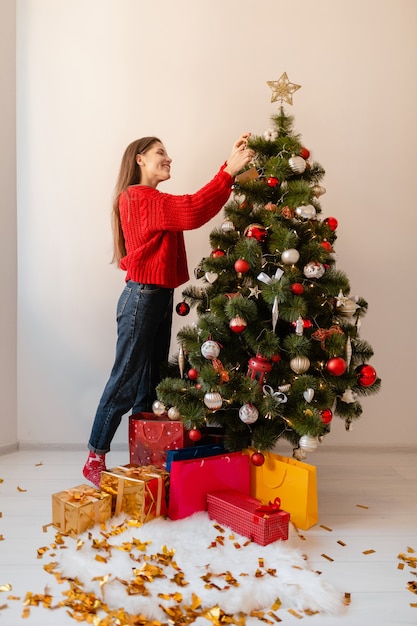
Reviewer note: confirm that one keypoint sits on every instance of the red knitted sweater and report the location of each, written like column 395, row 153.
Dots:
column 153, row 225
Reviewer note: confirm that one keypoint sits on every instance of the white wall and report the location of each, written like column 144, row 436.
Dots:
column 95, row 74
column 8, row 269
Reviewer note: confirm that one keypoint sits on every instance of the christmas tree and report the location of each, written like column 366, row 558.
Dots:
column 275, row 352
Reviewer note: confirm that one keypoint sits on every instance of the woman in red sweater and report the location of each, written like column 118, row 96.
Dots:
column 149, row 245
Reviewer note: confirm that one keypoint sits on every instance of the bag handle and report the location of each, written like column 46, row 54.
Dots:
column 277, row 480
column 148, row 436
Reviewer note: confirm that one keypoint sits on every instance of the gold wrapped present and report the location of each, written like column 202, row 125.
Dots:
column 77, row 509
column 138, row 491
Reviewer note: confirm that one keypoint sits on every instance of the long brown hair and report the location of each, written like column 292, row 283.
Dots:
column 129, row 174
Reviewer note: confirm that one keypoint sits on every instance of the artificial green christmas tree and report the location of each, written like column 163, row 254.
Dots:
column 275, row 352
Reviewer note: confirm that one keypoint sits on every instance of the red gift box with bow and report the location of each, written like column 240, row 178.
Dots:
column 262, row 523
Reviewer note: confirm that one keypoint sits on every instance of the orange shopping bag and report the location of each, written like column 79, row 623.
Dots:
column 294, row 482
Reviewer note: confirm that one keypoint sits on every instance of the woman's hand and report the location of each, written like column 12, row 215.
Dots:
column 240, row 155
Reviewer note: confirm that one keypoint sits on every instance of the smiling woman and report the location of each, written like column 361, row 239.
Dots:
column 149, row 245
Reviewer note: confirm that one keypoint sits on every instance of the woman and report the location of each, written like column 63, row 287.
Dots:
column 149, row 245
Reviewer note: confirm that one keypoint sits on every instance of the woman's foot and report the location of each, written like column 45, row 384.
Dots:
column 95, row 464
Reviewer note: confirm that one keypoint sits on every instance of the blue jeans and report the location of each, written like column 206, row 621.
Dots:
column 144, row 321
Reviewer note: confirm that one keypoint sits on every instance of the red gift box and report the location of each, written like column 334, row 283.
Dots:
column 151, row 435
column 248, row 517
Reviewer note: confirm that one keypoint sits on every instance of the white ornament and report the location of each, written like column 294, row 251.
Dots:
column 306, row 211
column 227, row 226
column 297, row 164
column 349, row 396
column 211, row 277
column 173, row 414
column 313, row 269
column 308, row 443
column 290, row 256
column 210, row 349
column 158, row 408
column 248, row 413
column 213, row 400
column 270, row 134
column 308, row 394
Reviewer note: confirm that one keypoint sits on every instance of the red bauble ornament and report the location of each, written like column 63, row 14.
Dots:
column 326, row 245
column 237, row 324
column 193, row 373
column 194, row 434
column 182, row 308
column 272, row 181
column 297, row 289
column 331, row 222
column 256, row 231
column 257, row 459
column 242, row 266
column 275, row 358
column 305, row 153
column 326, row 416
column 218, row 252
column 336, row 366
column 366, row 375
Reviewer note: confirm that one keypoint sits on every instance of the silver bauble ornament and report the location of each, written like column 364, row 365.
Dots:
column 158, row 407
column 290, row 256
column 318, row 190
column 297, row 164
column 174, row 414
column 308, row 443
column 210, row 349
column 306, row 211
column 248, row 413
column 300, row 364
column 213, row 400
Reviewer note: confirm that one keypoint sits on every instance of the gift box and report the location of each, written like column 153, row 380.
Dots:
column 77, row 509
column 151, row 435
column 191, row 480
column 248, row 517
column 137, row 491
column 193, row 452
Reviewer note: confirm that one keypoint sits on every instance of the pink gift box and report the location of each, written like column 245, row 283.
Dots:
column 239, row 512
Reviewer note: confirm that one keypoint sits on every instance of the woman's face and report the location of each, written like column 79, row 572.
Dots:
column 155, row 165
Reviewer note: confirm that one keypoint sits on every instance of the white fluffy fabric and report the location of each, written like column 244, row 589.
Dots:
column 286, row 573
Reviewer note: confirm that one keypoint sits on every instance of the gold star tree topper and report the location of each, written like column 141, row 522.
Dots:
column 282, row 89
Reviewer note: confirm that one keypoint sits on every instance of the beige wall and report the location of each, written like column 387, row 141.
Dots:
column 8, row 265
column 95, row 74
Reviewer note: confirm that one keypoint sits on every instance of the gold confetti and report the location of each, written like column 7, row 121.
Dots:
column 311, row 612
column 41, row 551
column 21, row 490
column 39, row 464
column 412, row 586
column 400, row 566
column 295, row 614
column 274, row 617
column 368, row 551
column 6, row 587
column 1, row 537
column 327, row 557
column 347, row 598
column 341, row 543
column 413, row 605
column 362, row 506
column 1, row 480
column 326, row 528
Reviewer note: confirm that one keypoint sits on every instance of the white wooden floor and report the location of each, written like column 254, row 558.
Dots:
column 385, row 482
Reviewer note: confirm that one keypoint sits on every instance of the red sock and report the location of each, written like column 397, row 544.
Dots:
column 95, row 464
